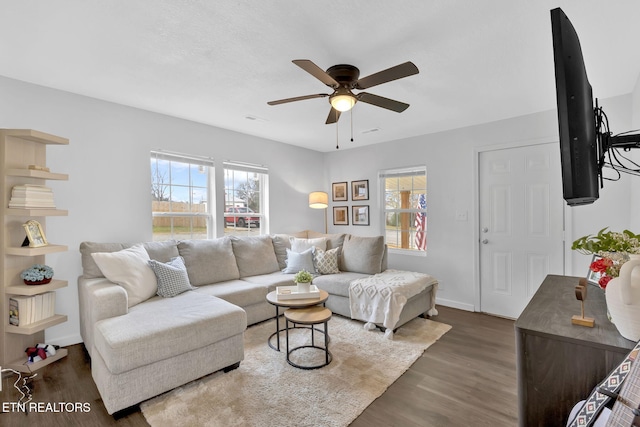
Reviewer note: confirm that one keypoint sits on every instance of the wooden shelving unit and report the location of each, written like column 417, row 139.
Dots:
column 20, row 148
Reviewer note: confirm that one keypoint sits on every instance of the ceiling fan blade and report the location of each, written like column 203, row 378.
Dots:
column 297, row 98
column 334, row 115
column 394, row 73
column 380, row 101
column 316, row 72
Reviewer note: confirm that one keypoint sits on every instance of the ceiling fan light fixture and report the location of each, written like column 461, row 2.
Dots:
column 343, row 100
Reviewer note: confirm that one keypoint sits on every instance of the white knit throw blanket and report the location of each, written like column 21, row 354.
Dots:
column 380, row 298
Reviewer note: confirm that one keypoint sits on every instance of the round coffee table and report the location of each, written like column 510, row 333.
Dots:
column 272, row 297
column 309, row 316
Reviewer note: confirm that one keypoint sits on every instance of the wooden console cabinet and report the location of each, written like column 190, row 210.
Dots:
column 558, row 363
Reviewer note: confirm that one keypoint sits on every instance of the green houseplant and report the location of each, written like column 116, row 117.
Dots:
column 608, row 241
column 612, row 250
column 303, row 279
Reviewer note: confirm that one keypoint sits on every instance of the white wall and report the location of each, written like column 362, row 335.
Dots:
column 635, row 186
column 108, row 192
column 451, row 181
column 108, row 195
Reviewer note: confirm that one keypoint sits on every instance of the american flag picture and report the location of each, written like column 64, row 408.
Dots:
column 421, row 224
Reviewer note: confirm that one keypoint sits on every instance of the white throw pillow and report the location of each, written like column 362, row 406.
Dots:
column 172, row 277
column 301, row 245
column 129, row 268
column 299, row 261
column 326, row 262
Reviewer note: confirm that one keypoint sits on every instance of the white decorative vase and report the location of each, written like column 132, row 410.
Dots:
column 303, row 286
column 623, row 299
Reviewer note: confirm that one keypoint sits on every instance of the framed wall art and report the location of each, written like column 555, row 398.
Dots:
column 341, row 215
column 339, row 192
column 360, row 215
column 360, row 190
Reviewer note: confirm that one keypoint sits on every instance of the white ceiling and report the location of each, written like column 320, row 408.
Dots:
column 220, row 61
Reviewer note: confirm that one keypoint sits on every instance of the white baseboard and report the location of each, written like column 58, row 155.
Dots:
column 64, row 341
column 454, row 304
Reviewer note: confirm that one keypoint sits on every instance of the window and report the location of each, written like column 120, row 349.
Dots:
column 245, row 196
column 405, row 208
column 180, row 194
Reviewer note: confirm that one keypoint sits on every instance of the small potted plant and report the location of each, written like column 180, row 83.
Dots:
column 303, row 279
column 37, row 274
column 611, row 250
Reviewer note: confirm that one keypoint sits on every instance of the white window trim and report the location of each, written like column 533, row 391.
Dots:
column 194, row 160
column 391, row 173
column 264, row 191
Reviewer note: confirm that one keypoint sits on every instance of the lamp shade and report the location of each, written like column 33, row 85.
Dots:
column 318, row 200
column 342, row 99
column 343, row 103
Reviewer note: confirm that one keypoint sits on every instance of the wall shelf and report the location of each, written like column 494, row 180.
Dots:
column 31, row 173
column 35, row 136
column 32, row 328
column 42, row 250
column 35, row 289
column 21, row 365
column 19, row 150
column 35, row 212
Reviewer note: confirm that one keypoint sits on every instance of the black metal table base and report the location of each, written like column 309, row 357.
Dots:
column 278, row 330
column 327, row 354
column 295, row 326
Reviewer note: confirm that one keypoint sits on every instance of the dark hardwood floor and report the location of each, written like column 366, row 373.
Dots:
column 466, row 378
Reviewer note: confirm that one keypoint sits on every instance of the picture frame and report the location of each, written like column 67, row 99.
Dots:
column 35, row 234
column 360, row 215
column 339, row 192
column 360, row 190
column 341, row 215
column 592, row 276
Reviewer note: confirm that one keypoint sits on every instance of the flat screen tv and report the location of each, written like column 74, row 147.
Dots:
column 579, row 147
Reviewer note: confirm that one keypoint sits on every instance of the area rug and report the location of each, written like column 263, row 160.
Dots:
column 266, row 391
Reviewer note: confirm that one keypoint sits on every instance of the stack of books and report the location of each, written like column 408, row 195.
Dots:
column 29, row 196
column 25, row 310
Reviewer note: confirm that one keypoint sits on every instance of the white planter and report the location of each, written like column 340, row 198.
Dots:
column 623, row 299
column 303, row 287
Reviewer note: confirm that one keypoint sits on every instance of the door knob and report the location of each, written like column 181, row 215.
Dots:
column 485, row 241
column 485, row 230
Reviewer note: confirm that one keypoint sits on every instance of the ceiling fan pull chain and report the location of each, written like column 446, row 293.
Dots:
column 337, row 146
column 352, row 125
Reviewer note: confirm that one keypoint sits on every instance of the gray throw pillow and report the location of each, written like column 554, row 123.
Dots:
column 254, row 255
column 333, row 240
column 209, row 261
column 172, row 277
column 299, row 261
column 90, row 269
column 163, row 251
column 301, row 245
column 362, row 254
column 280, row 245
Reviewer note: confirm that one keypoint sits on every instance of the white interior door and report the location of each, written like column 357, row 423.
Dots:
column 521, row 225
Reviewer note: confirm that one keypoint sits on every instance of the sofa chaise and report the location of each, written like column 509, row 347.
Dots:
column 156, row 315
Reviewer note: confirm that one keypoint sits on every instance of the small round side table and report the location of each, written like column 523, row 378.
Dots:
column 272, row 298
column 309, row 316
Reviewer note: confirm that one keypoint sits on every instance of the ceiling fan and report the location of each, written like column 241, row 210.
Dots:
column 343, row 78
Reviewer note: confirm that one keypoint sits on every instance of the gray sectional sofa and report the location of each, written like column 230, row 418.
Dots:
column 142, row 344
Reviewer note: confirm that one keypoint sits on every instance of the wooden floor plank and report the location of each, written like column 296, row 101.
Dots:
column 466, row 378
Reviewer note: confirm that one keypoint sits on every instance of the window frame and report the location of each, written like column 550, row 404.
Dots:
column 190, row 160
column 263, row 197
column 420, row 170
